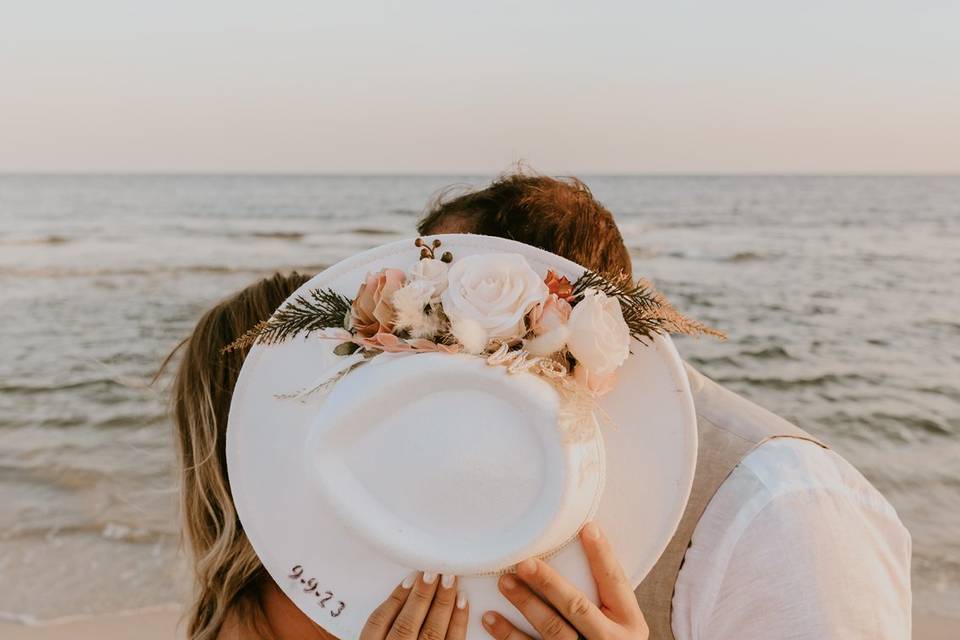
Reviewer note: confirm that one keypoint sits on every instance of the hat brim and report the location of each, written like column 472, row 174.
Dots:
column 651, row 451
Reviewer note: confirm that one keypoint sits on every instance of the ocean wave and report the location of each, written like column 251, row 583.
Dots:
column 52, row 475
column 91, row 383
column 279, row 235
column 941, row 390
column 131, row 420
column 749, row 256
column 122, row 421
column 644, row 252
column 370, row 231
column 26, row 240
column 677, row 224
column 893, row 426
column 31, row 620
column 308, row 269
column 782, row 384
column 950, row 325
column 924, row 479
column 705, row 361
column 733, row 258
column 769, row 353
column 89, row 272
column 109, row 530
column 27, row 389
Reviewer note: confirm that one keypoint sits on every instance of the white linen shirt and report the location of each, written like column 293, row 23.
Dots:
column 795, row 544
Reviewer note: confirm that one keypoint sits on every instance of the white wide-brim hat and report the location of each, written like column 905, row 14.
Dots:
column 442, row 462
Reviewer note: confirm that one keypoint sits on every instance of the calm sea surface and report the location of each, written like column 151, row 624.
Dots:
column 840, row 296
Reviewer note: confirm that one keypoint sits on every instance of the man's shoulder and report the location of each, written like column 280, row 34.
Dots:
column 795, row 528
column 784, row 469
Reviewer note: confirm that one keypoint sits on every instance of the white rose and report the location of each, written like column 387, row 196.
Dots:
column 599, row 338
column 432, row 273
column 488, row 297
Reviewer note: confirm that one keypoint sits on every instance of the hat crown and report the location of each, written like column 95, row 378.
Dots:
column 443, row 462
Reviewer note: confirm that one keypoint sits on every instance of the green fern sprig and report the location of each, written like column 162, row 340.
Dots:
column 318, row 309
column 645, row 310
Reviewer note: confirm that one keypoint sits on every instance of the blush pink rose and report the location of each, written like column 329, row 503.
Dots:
column 549, row 315
column 372, row 311
column 597, row 385
column 548, row 322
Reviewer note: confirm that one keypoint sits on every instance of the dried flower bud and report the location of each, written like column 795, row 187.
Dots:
column 424, row 253
column 446, row 257
column 345, row 348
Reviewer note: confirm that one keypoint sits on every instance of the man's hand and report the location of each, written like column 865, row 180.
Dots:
column 558, row 611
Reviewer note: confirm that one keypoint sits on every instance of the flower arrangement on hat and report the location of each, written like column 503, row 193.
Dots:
column 494, row 306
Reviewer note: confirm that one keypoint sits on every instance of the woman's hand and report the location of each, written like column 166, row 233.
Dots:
column 558, row 611
column 424, row 606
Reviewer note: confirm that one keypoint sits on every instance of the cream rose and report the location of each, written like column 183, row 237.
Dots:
column 597, row 385
column 488, row 296
column 599, row 338
column 430, row 274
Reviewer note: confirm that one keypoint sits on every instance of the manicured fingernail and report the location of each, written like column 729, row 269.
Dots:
column 461, row 600
column 409, row 580
column 446, row 581
column 508, row 582
column 429, row 577
column 489, row 619
column 591, row 531
column 528, row 567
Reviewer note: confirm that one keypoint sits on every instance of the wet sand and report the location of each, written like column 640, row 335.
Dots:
column 166, row 625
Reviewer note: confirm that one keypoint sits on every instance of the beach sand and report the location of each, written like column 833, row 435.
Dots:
column 165, row 624
column 158, row 624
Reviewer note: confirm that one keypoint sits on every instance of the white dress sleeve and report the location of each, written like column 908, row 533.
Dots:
column 795, row 544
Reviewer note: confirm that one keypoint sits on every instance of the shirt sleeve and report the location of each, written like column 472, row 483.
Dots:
column 799, row 546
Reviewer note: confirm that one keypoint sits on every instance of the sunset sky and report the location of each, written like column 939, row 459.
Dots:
column 416, row 87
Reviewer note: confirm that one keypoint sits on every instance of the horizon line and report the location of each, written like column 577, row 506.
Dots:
column 427, row 174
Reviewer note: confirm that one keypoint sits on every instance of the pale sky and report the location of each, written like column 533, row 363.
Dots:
column 416, row 87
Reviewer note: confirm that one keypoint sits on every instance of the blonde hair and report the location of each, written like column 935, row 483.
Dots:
column 227, row 572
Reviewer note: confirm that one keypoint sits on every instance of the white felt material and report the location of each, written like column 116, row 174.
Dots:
column 486, row 480
column 440, row 462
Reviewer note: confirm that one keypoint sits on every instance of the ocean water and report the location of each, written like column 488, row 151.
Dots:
column 840, row 296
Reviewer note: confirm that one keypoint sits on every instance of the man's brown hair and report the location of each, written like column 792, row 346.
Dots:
column 558, row 215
